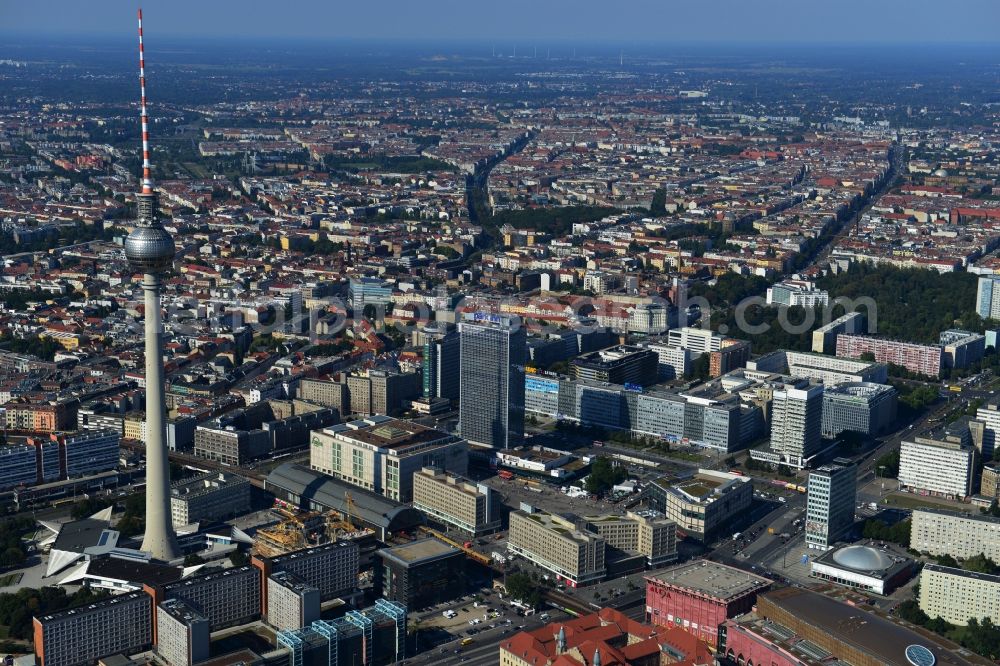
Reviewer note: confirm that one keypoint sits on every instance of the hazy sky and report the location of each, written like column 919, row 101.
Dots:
column 766, row 21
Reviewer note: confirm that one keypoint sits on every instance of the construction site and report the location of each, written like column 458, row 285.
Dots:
column 299, row 529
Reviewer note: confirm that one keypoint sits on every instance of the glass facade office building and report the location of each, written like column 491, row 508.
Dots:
column 491, row 381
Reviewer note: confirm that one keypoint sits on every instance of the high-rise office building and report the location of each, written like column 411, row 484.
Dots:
column 796, row 423
column 989, row 414
column 491, row 376
column 441, row 363
column 832, row 490
column 988, row 297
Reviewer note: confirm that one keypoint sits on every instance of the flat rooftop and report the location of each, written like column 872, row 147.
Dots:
column 878, row 637
column 422, row 550
column 711, row 579
column 78, row 535
column 393, row 434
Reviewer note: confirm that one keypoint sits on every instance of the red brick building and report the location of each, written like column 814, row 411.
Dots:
column 607, row 635
column 699, row 596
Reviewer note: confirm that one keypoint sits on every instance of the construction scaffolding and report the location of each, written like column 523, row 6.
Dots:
column 302, row 529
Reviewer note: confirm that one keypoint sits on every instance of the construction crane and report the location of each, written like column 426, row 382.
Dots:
column 464, row 547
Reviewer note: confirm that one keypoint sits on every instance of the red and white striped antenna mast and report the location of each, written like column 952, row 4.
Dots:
column 147, row 169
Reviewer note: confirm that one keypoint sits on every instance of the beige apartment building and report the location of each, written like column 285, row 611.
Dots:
column 575, row 556
column 452, row 499
column 381, row 454
column 961, row 536
column 957, row 595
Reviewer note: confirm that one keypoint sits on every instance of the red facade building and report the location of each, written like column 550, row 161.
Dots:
column 700, row 596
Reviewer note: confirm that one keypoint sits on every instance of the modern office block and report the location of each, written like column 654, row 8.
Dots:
column 864, row 408
column 957, row 596
column 441, row 363
column 80, row 636
column 832, row 490
column 491, row 402
column 698, row 341
column 800, row 293
column 618, row 365
column 374, row 636
column 451, row 499
column 368, row 291
column 182, row 634
column 211, row 496
column 704, row 417
column 705, row 505
column 292, row 603
column 229, row 445
column 673, row 362
column 988, row 297
column 989, row 414
column 381, row 454
column 796, row 423
column 420, row 573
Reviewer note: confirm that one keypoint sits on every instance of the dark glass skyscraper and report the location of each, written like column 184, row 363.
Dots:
column 441, row 363
column 491, row 381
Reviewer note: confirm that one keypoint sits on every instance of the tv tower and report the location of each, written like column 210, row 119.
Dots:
column 150, row 249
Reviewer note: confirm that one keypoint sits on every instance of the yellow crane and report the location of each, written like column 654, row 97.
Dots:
column 465, row 548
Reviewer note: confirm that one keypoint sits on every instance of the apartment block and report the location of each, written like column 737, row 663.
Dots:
column 292, row 603
column 80, row 636
column 924, row 360
column 824, row 338
column 957, row 596
column 939, row 467
column 225, row 598
column 988, row 297
column 960, row 535
column 332, row 568
column 182, row 634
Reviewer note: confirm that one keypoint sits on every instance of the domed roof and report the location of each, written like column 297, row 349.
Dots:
column 941, row 173
column 150, row 249
column 862, row 558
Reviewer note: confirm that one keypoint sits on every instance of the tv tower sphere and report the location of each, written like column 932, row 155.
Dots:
column 149, row 248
